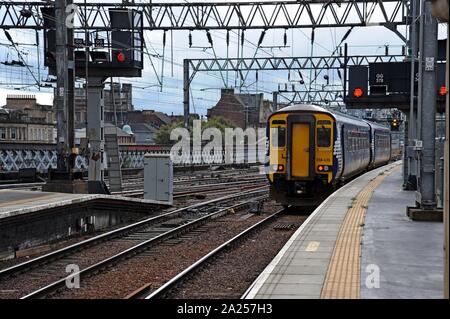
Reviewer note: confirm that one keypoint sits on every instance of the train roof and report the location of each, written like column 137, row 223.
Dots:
column 341, row 117
column 303, row 108
column 345, row 118
column 378, row 126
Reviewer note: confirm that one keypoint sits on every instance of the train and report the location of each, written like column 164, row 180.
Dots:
column 311, row 151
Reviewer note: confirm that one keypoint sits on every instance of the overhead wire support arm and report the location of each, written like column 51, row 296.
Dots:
column 284, row 63
column 226, row 15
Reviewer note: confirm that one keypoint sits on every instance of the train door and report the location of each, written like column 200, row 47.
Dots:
column 300, row 150
column 301, row 147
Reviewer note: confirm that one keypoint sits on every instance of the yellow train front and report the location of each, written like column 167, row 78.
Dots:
column 311, row 150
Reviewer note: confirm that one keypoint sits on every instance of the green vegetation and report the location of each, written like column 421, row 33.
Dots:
column 163, row 135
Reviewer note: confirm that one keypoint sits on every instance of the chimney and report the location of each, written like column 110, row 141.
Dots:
column 227, row 91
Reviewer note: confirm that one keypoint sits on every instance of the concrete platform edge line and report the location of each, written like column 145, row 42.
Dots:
column 81, row 199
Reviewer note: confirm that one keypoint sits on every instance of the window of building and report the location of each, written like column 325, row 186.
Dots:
column 13, row 133
column 2, row 133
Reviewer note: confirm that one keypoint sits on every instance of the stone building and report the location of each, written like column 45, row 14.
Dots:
column 23, row 120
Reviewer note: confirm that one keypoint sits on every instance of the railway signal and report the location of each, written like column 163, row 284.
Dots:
column 358, row 92
column 395, row 125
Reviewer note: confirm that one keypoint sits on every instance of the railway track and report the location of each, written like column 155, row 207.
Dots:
column 101, row 252
column 191, row 190
column 133, row 185
column 146, row 292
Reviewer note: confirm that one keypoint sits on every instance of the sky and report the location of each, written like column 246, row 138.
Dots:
column 205, row 89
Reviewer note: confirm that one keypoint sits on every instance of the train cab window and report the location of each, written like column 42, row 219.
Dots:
column 323, row 137
column 278, row 137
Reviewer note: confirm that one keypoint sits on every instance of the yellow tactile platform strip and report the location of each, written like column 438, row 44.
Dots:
column 343, row 276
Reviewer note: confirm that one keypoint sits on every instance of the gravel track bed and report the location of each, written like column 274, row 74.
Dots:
column 178, row 203
column 162, row 262
column 12, row 288
column 230, row 275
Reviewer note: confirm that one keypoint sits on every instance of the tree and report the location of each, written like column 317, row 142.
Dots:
column 218, row 122
column 162, row 137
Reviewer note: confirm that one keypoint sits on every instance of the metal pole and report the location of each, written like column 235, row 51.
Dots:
column 409, row 158
column 446, row 180
column 95, row 128
column 420, row 71
column 413, row 54
column 428, row 109
column 61, row 85
column 345, row 68
column 275, row 102
column 86, row 57
column 70, row 93
column 113, row 101
column 410, row 161
column 38, row 48
column 186, row 86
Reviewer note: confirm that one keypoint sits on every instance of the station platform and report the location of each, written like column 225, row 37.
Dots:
column 31, row 221
column 18, row 202
column 359, row 244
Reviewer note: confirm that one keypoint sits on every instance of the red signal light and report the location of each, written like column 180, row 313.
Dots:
column 121, row 57
column 442, row 90
column 358, row 92
column 320, row 168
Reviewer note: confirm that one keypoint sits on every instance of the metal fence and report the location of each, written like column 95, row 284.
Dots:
column 43, row 157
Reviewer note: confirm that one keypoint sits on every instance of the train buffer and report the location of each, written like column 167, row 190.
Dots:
column 359, row 244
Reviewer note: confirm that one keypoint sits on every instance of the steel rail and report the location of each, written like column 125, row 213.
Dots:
column 132, row 251
column 58, row 254
column 163, row 290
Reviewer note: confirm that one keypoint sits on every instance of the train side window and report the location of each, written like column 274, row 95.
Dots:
column 278, row 137
column 323, row 137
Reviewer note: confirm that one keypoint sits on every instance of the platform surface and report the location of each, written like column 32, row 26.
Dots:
column 328, row 256
column 16, row 202
column 409, row 253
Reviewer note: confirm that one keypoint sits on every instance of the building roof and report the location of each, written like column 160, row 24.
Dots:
column 111, row 129
column 163, row 117
column 142, row 128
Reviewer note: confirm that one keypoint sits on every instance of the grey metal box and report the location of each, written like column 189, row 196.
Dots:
column 158, row 177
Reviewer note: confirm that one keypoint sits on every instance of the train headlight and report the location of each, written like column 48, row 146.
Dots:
column 278, row 168
column 324, row 168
